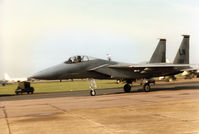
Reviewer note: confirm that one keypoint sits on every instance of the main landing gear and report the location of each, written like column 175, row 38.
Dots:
column 127, row 86
column 146, row 85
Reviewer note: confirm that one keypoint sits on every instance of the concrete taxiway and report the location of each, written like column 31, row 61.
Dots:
column 170, row 108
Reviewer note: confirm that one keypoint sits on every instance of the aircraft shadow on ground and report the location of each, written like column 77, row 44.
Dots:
column 5, row 95
column 176, row 88
column 155, row 89
column 136, row 89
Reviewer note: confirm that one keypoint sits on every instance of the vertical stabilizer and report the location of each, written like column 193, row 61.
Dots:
column 159, row 55
column 182, row 56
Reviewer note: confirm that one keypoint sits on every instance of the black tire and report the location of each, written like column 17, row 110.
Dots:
column 127, row 88
column 28, row 92
column 32, row 90
column 147, row 87
column 92, row 92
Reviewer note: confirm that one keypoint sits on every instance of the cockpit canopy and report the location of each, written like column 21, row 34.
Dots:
column 78, row 59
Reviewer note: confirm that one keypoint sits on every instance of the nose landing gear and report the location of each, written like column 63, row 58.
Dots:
column 92, row 85
column 92, row 92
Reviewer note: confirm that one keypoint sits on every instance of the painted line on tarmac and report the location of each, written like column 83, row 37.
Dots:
column 6, row 118
column 84, row 118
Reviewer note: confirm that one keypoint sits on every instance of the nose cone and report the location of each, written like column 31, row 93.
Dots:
column 40, row 75
column 51, row 73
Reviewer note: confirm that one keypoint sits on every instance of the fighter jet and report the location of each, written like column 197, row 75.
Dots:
column 3, row 83
column 13, row 80
column 80, row 67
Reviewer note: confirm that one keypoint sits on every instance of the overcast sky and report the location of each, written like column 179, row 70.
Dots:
column 36, row 34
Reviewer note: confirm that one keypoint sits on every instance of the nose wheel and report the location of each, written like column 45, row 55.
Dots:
column 93, row 92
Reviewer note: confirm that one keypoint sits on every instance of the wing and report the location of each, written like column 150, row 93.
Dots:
column 192, row 68
column 150, row 66
column 138, row 71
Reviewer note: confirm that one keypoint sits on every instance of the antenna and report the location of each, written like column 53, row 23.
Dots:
column 108, row 56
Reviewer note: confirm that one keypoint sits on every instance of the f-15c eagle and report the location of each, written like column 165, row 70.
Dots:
column 80, row 67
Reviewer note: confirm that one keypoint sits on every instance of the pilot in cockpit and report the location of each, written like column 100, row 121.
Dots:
column 70, row 61
column 79, row 58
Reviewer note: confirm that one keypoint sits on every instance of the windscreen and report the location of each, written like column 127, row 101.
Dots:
column 78, row 59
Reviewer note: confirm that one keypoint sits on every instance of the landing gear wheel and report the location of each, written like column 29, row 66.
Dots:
column 127, row 88
column 92, row 92
column 147, row 87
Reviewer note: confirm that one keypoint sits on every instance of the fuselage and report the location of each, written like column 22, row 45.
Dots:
column 100, row 69
column 74, row 70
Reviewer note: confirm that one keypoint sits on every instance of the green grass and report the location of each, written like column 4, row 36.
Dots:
column 62, row 86
column 8, row 89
